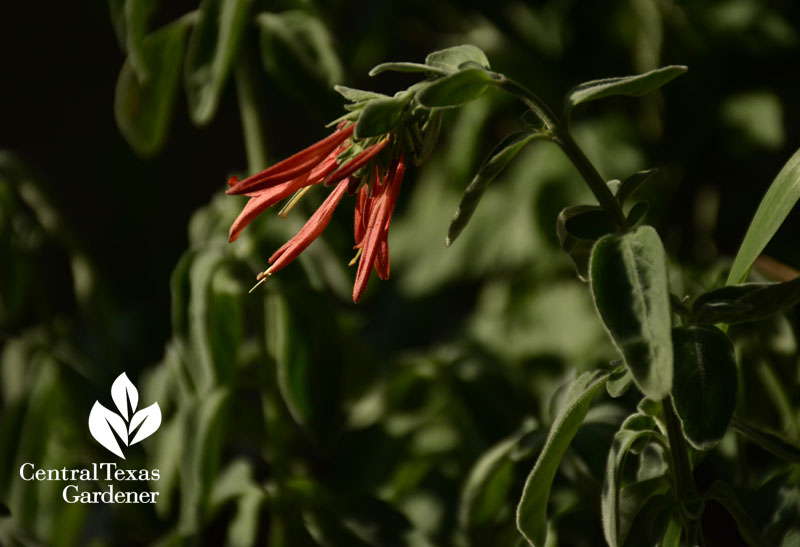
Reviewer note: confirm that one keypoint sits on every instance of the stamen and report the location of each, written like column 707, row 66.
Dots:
column 262, row 277
column 293, row 201
column 355, row 258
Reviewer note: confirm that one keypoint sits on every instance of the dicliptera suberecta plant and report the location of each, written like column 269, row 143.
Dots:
column 678, row 356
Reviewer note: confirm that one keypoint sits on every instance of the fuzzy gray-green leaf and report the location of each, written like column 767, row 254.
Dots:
column 455, row 89
column 634, row 86
column 499, row 157
column 745, row 302
column 450, row 59
column 405, row 67
column 704, row 387
column 378, row 117
column 532, row 509
column 143, row 108
column 578, row 228
column 213, row 46
column 628, row 275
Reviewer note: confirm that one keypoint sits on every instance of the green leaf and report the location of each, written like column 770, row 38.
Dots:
column 619, row 381
column 745, row 302
column 116, row 9
column 578, row 228
column 650, row 528
column 619, row 509
column 406, row 67
column 308, row 347
column 486, row 488
column 204, row 432
column 767, row 441
column 213, row 46
column 779, row 200
column 451, row 59
column 358, row 95
column 652, row 462
column 210, row 337
column 631, row 184
column 532, row 509
column 498, row 158
column 455, row 89
column 143, row 110
column 628, row 276
column 637, row 213
column 704, row 387
column 378, row 117
column 137, row 17
column 298, row 50
column 672, row 536
column 634, row 86
column 430, row 137
column 725, row 495
column 634, row 497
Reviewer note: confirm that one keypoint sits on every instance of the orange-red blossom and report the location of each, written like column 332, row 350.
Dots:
column 317, row 164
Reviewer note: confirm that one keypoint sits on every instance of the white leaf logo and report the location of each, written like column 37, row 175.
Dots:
column 108, row 427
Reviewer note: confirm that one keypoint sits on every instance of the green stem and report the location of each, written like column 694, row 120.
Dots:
column 680, row 454
column 592, row 177
column 561, row 136
column 250, row 112
column 687, row 493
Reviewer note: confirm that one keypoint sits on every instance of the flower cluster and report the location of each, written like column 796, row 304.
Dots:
column 347, row 165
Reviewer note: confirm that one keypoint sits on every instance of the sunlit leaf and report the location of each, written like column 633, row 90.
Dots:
column 455, row 89
column 357, row 95
column 532, row 509
column 779, row 200
column 628, row 275
column 635, row 86
column 452, row 58
column 405, row 67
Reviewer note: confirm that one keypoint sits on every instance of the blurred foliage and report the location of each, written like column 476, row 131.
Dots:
column 294, row 418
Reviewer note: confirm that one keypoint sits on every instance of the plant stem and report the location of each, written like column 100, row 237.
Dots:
column 687, row 493
column 560, row 135
column 250, row 112
column 592, row 177
column 680, row 454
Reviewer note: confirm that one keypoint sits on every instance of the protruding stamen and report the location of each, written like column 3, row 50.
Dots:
column 355, row 258
column 262, row 277
column 293, row 201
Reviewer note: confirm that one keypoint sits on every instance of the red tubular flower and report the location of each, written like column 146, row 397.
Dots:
column 373, row 217
column 320, row 163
